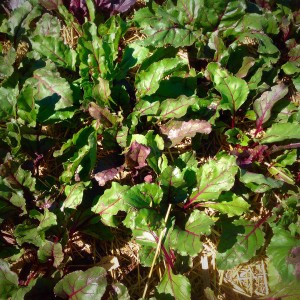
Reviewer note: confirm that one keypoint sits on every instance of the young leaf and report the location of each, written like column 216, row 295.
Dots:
column 107, row 175
column 187, row 241
column 178, row 130
column 110, row 203
column 234, row 90
column 147, row 81
column 239, row 243
column 51, row 251
column 263, row 105
column 82, row 285
column 213, row 178
column 8, row 281
column 177, row 286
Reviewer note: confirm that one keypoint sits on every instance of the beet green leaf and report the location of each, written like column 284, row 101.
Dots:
column 81, row 285
column 213, row 178
column 239, row 243
column 177, row 286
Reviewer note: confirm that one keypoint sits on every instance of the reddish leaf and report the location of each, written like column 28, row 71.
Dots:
column 178, row 130
column 107, row 175
column 137, row 155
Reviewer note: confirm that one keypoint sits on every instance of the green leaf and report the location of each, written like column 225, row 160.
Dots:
column 281, row 271
column 239, row 243
column 8, row 103
column 213, row 178
column 33, row 234
column 54, row 48
column 144, row 195
column 82, row 285
column 259, row 183
column 48, row 25
column 229, row 204
column 6, row 63
column 110, row 203
column 177, row 286
column 248, row 62
column 52, row 251
column 234, row 90
column 280, row 132
column 187, row 241
column 147, row 81
column 74, row 195
column 26, row 106
column 8, row 281
column 176, row 108
column 166, row 27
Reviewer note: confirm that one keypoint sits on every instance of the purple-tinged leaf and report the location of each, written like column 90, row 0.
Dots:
column 177, row 286
column 102, row 115
column 51, row 251
column 263, row 105
column 78, row 9
column 178, row 130
column 110, row 203
column 213, row 178
column 51, row 4
column 107, row 175
column 114, row 6
column 137, row 155
column 13, row 4
column 82, row 285
column 187, row 241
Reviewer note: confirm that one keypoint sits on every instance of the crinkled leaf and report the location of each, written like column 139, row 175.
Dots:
column 263, row 105
column 110, row 203
column 26, row 106
column 213, row 178
column 137, row 155
column 8, row 281
column 178, row 130
column 187, row 241
column 239, row 243
column 48, row 25
column 107, row 175
column 51, row 251
column 229, row 204
column 144, row 195
column 178, row 286
column 176, row 108
column 54, row 48
column 280, row 132
column 147, row 81
column 234, row 90
column 13, row 4
column 82, row 285
column 163, row 27
column 259, row 183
